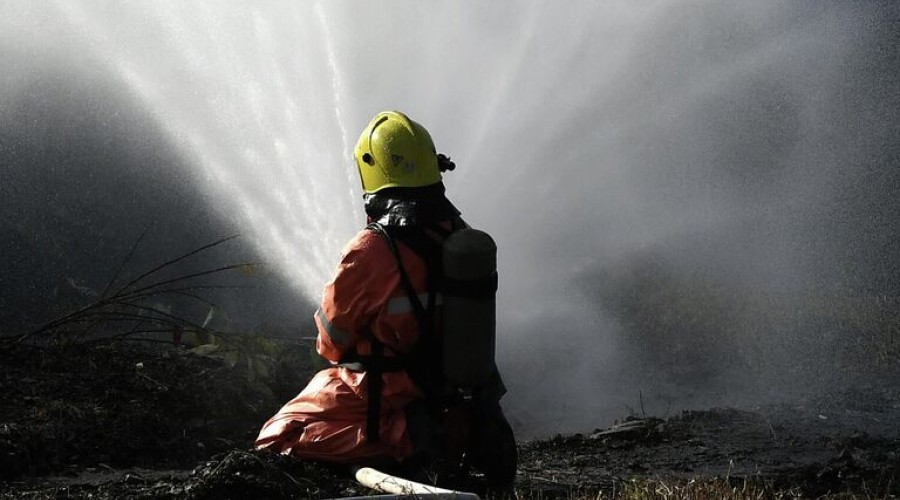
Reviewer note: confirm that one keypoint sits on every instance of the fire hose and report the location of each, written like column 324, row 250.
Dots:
column 399, row 488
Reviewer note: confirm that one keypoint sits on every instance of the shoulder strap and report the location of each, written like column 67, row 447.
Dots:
column 424, row 363
column 418, row 308
column 423, row 317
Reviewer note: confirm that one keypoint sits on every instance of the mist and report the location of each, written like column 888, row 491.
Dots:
column 695, row 203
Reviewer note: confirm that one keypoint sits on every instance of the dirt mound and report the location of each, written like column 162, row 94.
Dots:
column 123, row 422
column 236, row 474
column 740, row 447
column 76, row 407
column 246, row 474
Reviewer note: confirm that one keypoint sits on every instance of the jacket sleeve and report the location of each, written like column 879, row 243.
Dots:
column 352, row 299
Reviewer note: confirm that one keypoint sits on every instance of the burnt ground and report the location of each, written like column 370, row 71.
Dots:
column 117, row 421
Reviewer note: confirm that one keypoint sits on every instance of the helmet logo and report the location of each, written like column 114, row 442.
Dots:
column 396, row 159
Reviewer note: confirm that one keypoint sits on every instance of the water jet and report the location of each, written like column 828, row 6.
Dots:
column 694, row 163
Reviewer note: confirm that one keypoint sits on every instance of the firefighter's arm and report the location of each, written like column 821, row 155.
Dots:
column 349, row 302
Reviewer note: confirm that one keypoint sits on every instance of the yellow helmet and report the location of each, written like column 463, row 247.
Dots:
column 394, row 151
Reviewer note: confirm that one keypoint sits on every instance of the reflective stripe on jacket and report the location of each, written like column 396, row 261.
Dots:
column 327, row 420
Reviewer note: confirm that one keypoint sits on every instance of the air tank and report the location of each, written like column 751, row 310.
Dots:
column 469, row 307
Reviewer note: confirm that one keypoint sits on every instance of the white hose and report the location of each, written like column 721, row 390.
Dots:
column 404, row 488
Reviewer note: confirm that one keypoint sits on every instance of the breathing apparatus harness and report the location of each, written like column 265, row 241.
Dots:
column 428, row 362
column 423, row 363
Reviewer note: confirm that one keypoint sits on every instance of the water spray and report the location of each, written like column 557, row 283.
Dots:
column 732, row 148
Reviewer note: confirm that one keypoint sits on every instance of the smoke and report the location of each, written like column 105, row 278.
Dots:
column 670, row 186
column 691, row 199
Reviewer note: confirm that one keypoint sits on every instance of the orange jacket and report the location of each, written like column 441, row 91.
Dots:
column 327, row 420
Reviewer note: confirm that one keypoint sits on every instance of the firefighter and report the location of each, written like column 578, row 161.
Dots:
column 386, row 398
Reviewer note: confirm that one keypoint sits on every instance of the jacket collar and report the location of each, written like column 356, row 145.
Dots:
column 404, row 207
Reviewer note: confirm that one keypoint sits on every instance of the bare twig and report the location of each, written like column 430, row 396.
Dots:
column 108, row 307
column 180, row 290
column 182, row 278
column 173, row 261
column 181, row 321
column 641, row 398
column 124, row 263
